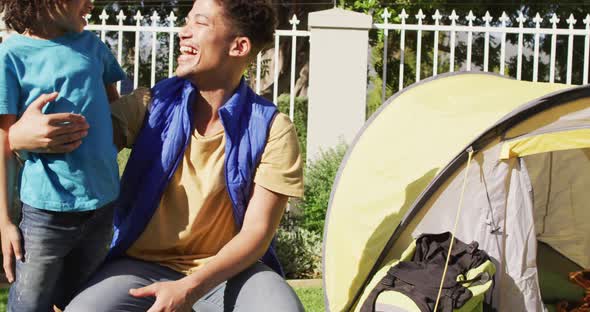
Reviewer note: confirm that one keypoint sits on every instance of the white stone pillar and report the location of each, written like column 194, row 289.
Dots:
column 338, row 57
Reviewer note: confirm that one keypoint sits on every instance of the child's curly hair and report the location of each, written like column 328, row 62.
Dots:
column 20, row 15
column 255, row 19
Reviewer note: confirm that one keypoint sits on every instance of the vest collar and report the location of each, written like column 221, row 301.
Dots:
column 188, row 92
column 235, row 104
column 232, row 108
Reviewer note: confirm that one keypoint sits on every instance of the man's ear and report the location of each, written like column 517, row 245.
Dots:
column 241, row 47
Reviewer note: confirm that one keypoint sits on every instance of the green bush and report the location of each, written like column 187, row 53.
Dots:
column 299, row 250
column 319, row 177
column 299, row 118
column 299, row 238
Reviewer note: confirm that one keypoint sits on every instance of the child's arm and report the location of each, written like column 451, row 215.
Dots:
column 10, row 235
column 37, row 132
column 112, row 92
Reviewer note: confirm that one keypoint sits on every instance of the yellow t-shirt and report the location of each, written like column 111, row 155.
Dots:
column 195, row 218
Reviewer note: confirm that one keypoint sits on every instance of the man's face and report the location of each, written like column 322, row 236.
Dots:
column 204, row 40
column 69, row 15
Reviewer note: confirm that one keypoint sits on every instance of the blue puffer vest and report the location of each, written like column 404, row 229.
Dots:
column 160, row 146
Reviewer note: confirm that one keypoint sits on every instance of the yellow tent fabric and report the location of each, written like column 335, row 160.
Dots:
column 549, row 142
column 399, row 152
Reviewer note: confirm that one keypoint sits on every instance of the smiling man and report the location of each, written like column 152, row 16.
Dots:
column 212, row 167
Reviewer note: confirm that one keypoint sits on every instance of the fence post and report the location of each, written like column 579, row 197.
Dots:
column 339, row 45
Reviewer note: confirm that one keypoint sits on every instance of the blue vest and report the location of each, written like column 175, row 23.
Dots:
column 160, row 146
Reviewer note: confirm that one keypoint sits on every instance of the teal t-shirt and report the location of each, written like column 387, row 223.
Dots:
column 77, row 65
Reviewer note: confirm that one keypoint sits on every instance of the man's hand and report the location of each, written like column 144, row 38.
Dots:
column 53, row 133
column 170, row 296
column 11, row 248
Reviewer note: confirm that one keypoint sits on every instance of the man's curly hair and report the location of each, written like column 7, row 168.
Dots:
column 255, row 19
column 20, row 15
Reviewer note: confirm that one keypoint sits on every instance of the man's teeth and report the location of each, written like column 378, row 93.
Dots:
column 188, row 50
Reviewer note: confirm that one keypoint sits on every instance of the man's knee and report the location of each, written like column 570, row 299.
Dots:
column 261, row 289
column 108, row 291
column 108, row 295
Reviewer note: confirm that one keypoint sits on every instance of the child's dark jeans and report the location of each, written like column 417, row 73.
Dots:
column 61, row 251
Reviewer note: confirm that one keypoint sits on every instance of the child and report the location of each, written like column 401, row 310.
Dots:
column 67, row 213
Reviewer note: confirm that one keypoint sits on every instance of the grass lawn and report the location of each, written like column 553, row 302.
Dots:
column 3, row 299
column 122, row 158
column 312, row 299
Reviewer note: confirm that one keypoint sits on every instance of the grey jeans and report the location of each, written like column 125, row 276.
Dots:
column 257, row 288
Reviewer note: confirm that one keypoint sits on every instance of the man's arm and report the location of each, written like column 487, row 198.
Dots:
column 128, row 114
column 10, row 235
column 262, row 219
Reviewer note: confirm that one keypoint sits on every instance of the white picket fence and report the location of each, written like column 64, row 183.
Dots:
column 167, row 26
column 153, row 34
column 487, row 29
column 155, row 27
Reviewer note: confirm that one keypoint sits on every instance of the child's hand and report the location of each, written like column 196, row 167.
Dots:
column 11, row 247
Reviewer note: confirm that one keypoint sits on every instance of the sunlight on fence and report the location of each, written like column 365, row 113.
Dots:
column 487, row 30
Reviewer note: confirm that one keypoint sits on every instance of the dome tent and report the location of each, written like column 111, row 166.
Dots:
column 402, row 177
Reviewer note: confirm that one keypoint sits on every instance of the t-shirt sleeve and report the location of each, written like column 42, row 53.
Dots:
column 280, row 169
column 9, row 86
column 128, row 114
column 112, row 70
